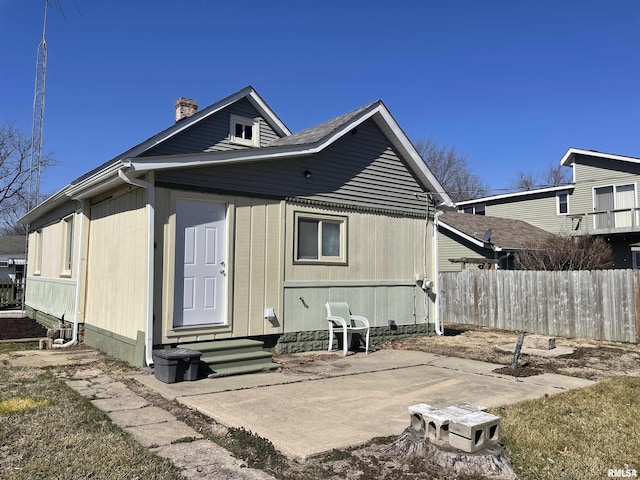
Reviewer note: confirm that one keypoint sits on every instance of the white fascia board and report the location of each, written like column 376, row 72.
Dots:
column 82, row 188
column 50, row 203
column 568, row 157
column 264, row 109
column 517, row 194
column 471, row 239
column 160, row 162
column 413, row 154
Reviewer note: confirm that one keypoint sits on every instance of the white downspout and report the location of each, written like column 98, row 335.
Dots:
column 74, row 337
column 148, row 342
column 436, row 283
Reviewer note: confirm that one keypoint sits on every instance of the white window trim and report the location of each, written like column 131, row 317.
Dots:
column 37, row 264
column 321, row 260
column 255, row 126
column 635, row 259
column 67, row 246
column 558, row 202
column 615, row 191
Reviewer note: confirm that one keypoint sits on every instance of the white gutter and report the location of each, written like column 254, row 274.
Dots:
column 148, row 343
column 436, row 283
column 74, row 337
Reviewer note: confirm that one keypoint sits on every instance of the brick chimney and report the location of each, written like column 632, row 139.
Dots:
column 185, row 107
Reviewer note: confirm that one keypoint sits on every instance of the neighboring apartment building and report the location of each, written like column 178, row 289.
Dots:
column 602, row 200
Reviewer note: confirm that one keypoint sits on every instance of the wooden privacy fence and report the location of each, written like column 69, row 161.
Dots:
column 599, row 304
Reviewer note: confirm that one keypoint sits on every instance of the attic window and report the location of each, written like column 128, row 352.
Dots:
column 244, row 131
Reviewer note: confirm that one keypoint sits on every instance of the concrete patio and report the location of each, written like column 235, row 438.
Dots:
column 338, row 402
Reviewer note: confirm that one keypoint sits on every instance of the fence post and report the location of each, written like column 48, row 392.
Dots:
column 636, row 301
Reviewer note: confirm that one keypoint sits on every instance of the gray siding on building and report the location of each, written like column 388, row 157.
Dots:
column 212, row 134
column 452, row 246
column 597, row 172
column 360, row 169
column 540, row 210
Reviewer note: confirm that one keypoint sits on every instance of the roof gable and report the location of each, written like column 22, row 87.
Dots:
column 309, row 142
column 569, row 158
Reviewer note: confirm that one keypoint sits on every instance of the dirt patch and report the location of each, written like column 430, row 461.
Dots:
column 519, row 372
column 593, row 360
column 18, row 328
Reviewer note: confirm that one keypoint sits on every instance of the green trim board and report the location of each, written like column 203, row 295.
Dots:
column 127, row 349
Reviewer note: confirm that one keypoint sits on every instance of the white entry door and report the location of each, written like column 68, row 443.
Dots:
column 200, row 269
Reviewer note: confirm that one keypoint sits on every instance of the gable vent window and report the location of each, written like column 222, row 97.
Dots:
column 244, row 131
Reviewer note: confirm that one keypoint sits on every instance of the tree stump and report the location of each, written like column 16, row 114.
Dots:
column 490, row 462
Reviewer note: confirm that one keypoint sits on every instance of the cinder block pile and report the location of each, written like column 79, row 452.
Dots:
column 464, row 426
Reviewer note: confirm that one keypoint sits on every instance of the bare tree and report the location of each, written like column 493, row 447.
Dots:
column 552, row 176
column 524, row 181
column 561, row 252
column 15, row 154
column 451, row 170
column 556, row 175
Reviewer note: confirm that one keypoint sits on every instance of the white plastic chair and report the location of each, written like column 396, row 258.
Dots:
column 340, row 320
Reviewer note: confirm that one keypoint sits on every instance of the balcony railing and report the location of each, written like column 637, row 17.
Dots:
column 621, row 220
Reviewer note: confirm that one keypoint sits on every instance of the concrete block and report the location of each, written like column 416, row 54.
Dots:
column 288, row 337
column 474, row 431
column 430, row 422
column 45, row 344
column 540, row 342
column 470, row 407
column 306, row 336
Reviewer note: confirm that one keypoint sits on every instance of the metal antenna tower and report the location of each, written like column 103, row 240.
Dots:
column 38, row 116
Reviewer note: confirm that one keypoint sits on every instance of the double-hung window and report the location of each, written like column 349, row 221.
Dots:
column 562, row 201
column 320, row 239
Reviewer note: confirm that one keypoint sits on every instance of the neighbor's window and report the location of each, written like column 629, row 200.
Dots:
column 475, row 209
column 320, row 239
column 244, row 130
column 67, row 256
column 563, row 203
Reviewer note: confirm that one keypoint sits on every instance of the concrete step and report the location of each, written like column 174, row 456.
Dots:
column 243, row 369
column 232, row 357
column 225, row 345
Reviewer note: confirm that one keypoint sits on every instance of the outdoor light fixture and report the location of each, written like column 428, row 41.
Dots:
column 307, row 174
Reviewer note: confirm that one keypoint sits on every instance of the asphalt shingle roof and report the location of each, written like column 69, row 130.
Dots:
column 12, row 244
column 505, row 232
column 321, row 131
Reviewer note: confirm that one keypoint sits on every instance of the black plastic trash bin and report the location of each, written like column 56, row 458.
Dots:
column 173, row 365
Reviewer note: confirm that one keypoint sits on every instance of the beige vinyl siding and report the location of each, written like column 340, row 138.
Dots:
column 359, row 169
column 212, row 133
column 380, row 247
column 52, row 289
column 117, row 263
column 258, row 266
column 594, row 172
column 449, row 247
